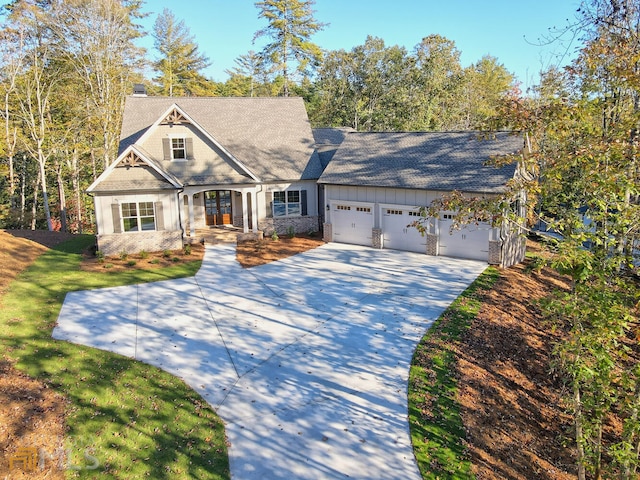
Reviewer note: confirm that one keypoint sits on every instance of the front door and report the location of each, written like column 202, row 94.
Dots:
column 218, row 207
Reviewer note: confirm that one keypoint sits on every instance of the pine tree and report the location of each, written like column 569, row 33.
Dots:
column 180, row 61
column 291, row 25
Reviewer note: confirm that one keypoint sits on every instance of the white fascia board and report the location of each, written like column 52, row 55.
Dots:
column 142, row 157
column 175, row 106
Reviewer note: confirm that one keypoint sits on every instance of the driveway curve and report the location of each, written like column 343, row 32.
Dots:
column 305, row 359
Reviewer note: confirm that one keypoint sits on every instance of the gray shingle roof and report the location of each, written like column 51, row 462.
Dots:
column 331, row 136
column 328, row 140
column 133, row 178
column 441, row 161
column 271, row 136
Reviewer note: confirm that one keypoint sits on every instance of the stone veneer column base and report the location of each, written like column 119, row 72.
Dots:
column 376, row 238
column 327, row 232
column 432, row 244
column 495, row 252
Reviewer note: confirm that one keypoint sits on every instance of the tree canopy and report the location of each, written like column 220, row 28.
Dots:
column 180, row 64
column 290, row 27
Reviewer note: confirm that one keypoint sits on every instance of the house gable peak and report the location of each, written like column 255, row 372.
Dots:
column 130, row 159
column 175, row 116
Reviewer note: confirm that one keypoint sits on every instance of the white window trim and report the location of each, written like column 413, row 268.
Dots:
column 184, row 148
column 287, row 203
column 138, row 218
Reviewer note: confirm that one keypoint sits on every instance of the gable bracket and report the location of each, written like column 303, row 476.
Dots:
column 131, row 160
column 175, row 117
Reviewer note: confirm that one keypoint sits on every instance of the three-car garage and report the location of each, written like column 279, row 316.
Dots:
column 375, row 183
column 356, row 222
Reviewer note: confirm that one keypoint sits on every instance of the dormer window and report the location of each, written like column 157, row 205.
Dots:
column 178, row 149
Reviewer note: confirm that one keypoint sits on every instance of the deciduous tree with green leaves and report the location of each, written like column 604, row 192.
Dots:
column 583, row 126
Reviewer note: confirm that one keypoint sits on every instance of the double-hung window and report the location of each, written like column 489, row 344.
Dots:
column 178, row 149
column 138, row 216
column 287, row 203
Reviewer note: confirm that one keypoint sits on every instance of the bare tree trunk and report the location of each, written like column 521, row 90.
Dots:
column 630, row 468
column 13, row 65
column 582, row 474
column 598, row 460
column 23, row 189
column 62, row 201
column 43, row 183
column 75, row 181
column 34, row 207
column 93, row 164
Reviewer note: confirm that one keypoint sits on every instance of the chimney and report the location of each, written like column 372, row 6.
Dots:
column 139, row 90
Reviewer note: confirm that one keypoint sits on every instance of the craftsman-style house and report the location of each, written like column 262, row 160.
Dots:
column 191, row 162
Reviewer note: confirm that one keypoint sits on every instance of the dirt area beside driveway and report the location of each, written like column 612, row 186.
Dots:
column 510, row 401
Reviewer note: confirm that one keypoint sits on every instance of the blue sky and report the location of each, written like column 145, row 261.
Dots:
column 509, row 30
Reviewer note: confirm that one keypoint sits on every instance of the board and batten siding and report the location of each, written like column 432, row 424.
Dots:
column 103, row 203
column 379, row 196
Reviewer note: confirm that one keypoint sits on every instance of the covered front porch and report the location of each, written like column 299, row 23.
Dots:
column 210, row 206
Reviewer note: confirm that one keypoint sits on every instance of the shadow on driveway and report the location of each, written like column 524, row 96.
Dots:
column 305, row 359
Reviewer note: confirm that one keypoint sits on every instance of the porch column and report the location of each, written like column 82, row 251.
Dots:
column 192, row 222
column 254, row 211
column 245, row 214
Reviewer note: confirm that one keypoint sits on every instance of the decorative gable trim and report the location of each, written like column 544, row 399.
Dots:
column 175, row 112
column 131, row 158
column 175, row 117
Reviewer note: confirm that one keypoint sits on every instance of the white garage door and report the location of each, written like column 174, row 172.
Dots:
column 397, row 235
column 352, row 223
column 470, row 242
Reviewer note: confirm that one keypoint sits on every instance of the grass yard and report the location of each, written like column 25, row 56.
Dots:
column 437, row 431
column 128, row 419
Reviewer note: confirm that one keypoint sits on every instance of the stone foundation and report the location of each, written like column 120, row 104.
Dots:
column 282, row 225
column 136, row 242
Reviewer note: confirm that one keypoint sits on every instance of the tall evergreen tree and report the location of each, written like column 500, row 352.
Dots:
column 180, row 62
column 248, row 76
column 290, row 27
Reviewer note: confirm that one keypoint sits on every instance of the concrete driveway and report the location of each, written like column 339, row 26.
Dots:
column 305, row 359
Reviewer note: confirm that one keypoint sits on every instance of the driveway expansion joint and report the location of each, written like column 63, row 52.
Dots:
column 306, row 359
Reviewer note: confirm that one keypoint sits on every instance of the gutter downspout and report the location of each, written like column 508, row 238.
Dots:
column 178, row 193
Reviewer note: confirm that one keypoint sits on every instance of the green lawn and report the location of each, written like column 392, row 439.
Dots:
column 436, row 428
column 138, row 420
